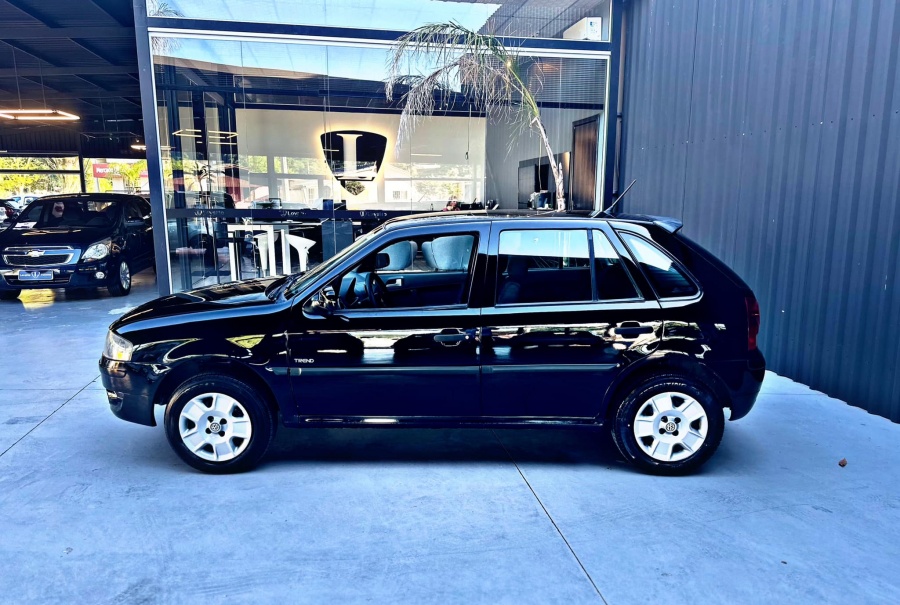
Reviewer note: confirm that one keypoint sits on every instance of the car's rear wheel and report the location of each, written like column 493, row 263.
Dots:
column 669, row 425
column 218, row 424
column 120, row 280
column 9, row 294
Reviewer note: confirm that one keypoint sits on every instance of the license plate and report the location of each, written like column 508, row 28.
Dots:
column 35, row 275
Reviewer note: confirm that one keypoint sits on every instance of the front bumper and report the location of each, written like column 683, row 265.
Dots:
column 81, row 275
column 130, row 388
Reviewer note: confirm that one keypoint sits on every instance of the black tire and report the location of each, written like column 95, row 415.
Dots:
column 261, row 417
column 635, row 402
column 115, row 285
column 9, row 294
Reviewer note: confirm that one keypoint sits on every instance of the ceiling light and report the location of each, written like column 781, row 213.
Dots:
column 42, row 115
column 187, row 132
column 223, row 134
column 139, row 147
column 427, row 155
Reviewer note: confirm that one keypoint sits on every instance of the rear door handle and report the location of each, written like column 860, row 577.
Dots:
column 634, row 330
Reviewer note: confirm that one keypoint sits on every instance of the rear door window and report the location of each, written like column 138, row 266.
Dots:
column 544, row 266
column 613, row 280
column 662, row 271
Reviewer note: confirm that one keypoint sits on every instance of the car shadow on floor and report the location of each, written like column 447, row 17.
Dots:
column 402, row 445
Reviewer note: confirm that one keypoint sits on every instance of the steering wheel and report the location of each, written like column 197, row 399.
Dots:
column 375, row 290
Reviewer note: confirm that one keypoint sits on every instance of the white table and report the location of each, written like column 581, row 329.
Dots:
column 269, row 229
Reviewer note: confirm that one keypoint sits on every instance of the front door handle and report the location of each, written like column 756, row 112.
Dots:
column 451, row 339
column 397, row 282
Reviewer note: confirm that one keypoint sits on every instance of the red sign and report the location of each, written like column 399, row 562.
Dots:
column 105, row 171
column 144, row 174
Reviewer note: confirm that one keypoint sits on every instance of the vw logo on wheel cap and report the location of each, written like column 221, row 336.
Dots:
column 671, row 426
column 215, row 427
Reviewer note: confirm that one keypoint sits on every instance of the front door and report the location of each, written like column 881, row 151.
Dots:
column 567, row 314
column 401, row 339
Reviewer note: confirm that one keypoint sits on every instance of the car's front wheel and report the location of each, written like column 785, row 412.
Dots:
column 219, row 424
column 120, row 280
column 669, row 425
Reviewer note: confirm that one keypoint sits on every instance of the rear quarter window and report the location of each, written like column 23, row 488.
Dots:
column 662, row 271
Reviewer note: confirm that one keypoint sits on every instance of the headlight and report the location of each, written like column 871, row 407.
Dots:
column 97, row 251
column 117, row 348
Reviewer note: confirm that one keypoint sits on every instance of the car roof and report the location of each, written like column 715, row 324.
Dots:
column 110, row 197
column 442, row 218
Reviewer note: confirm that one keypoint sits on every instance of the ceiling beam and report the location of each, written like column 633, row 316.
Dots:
column 51, row 33
column 63, row 96
column 32, row 12
column 103, row 7
column 98, row 70
column 88, row 46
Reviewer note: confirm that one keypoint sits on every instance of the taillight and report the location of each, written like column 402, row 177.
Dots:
column 752, row 321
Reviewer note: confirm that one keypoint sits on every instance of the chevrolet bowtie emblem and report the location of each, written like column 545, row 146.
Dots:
column 35, row 253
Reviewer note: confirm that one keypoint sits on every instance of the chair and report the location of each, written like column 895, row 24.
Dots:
column 262, row 245
column 302, row 246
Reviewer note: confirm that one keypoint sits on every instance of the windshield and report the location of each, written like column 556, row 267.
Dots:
column 304, row 279
column 68, row 213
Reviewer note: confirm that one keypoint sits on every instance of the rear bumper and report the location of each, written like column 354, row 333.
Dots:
column 129, row 389
column 82, row 275
column 744, row 380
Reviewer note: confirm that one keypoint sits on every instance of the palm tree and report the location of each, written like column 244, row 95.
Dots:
column 456, row 57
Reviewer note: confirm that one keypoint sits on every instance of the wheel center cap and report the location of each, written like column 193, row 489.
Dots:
column 670, row 427
column 215, row 427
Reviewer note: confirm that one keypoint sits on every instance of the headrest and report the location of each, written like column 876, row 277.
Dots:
column 401, row 255
column 449, row 253
column 517, row 266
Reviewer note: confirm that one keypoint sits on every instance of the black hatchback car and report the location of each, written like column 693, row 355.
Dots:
column 77, row 241
column 463, row 320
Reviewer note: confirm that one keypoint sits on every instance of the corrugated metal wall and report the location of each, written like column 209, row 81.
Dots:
column 772, row 128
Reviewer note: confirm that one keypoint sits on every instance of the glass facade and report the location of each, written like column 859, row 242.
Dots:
column 278, row 150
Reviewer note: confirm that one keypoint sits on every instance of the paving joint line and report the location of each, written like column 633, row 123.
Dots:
column 546, row 512
column 81, row 390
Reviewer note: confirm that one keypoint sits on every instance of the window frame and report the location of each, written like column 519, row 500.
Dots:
column 595, row 303
column 684, row 270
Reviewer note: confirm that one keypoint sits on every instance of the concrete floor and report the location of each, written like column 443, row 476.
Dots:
column 96, row 510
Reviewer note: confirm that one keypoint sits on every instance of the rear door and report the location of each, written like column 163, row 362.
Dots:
column 566, row 315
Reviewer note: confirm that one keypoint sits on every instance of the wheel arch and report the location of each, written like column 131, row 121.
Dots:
column 669, row 363
column 182, row 372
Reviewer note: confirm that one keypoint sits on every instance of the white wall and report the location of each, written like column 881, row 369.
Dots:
column 417, row 178
column 502, row 182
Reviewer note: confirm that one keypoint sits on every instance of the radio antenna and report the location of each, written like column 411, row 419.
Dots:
column 618, row 199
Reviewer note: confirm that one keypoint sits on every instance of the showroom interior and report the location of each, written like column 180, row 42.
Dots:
column 250, row 107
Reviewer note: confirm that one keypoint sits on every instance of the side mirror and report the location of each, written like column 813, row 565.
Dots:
column 322, row 304
column 382, row 260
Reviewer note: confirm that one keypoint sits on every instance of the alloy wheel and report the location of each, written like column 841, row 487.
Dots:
column 124, row 275
column 215, row 427
column 671, row 426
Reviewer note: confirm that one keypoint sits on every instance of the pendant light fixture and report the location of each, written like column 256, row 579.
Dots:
column 35, row 115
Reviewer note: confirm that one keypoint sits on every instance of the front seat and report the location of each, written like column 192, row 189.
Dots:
column 448, row 253
column 517, row 272
column 401, row 254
